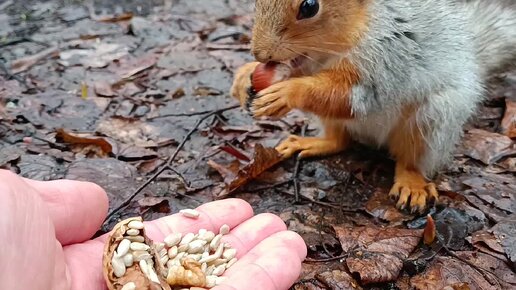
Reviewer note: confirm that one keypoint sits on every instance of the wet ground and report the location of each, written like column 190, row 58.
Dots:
column 134, row 97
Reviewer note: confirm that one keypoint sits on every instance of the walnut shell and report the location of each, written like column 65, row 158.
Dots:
column 133, row 273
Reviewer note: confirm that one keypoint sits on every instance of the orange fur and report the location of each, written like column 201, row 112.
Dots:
column 281, row 36
column 327, row 94
column 407, row 146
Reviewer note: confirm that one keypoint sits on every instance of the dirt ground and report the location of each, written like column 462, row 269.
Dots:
column 134, row 97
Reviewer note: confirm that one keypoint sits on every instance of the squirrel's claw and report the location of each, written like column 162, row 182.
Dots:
column 411, row 190
column 273, row 101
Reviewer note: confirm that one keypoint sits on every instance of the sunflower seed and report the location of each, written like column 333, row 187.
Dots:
column 172, row 252
column 118, row 266
column 213, row 257
column 218, row 262
column 196, row 246
column 187, row 239
column 180, row 256
column 204, row 266
column 208, row 236
column 138, row 239
column 137, row 246
column 164, row 260
column 219, row 270
column 123, row 247
column 136, row 225
column 231, row 262
column 229, row 254
column 128, row 260
column 152, row 274
column 209, row 270
column 215, row 242
column 210, row 281
column 141, row 255
column 190, row 213
column 132, row 232
column 196, row 257
column 202, row 232
column 143, row 267
column 182, row 248
column 173, row 239
column 224, row 229
column 163, row 252
column 159, row 246
column 129, row 286
column 205, row 254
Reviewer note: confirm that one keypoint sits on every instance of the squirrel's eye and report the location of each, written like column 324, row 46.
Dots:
column 308, row 9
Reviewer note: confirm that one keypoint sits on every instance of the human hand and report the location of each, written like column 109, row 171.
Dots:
column 46, row 229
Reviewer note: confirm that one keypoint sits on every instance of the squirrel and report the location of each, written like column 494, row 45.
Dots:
column 403, row 75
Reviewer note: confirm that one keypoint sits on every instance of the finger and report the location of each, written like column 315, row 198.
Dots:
column 283, row 240
column 212, row 216
column 77, row 208
column 251, row 232
column 275, row 263
column 28, row 242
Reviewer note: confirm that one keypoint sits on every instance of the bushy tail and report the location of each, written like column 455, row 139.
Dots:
column 494, row 25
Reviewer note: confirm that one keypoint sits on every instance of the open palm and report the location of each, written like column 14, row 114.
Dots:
column 46, row 229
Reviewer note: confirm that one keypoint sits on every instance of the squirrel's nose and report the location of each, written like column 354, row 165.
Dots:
column 262, row 55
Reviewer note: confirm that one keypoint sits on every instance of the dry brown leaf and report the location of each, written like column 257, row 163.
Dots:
column 487, row 243
column 509, row 120
column 337, row 280
column 447, row 271
column 263, row 159
column 505, row 232
column 377, row 254
column 126, row 16
column 381, row 206
column 104, row 89
column 486, row 146
column 83, row 141
column 23, row 64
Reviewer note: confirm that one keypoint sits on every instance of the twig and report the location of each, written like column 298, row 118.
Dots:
column 308, row 260
column 180, row 115
column 295, row 176
column 167, row 165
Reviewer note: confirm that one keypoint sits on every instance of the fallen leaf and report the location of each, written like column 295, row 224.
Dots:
column 447, row 271
column 488, row 243
column 502, row 272
column 495, row 190
column 125, row 16
column 40, row 167
column 83, row 141
column 127, row 68
column 377, row 254
column 486, row 146
column 338, row 280
column 104, row 89
column 509, row 120
column 23, row 64
column 99, row 56
column 263, row 159
column 9, row 153
column 505, row 232
column 228, row 173
column 381, row 206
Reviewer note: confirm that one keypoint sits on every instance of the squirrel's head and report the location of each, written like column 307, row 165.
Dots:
column 300, row 30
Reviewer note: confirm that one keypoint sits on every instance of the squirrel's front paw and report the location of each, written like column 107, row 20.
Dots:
column 242, row 82
column 275, row 101
column 411, row 190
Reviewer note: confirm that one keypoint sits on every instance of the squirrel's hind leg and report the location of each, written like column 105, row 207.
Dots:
column 335, row 139
column 408, row 147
